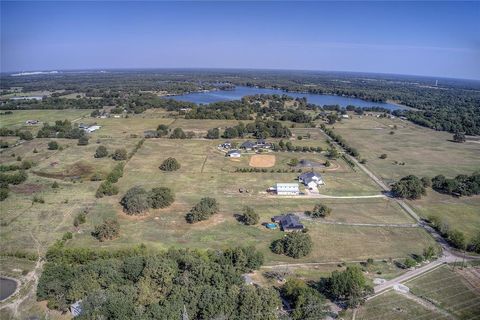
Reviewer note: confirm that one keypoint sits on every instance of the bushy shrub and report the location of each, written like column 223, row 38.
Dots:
column 82, row 141
column 79, row 219
column 249, row 216
column 170, row 164
column 106, row 188
column 160, row 197
column 25, row 135
column 135, row 201
column 108, row 230
column 319, row 211
column 202, row 210
column 4, row 193
column 53, row 145
column 120, row 154
column 101, row 152
column 178, row 133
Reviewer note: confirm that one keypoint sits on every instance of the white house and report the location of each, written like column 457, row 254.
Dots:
column 287, row 189
column 311, row 179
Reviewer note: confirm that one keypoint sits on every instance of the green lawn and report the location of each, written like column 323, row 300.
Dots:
column 18, row 118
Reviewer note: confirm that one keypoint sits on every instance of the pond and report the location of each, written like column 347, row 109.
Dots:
column 318, row 99
column 7, row 288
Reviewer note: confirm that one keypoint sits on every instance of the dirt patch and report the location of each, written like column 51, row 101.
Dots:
column 262, row 161
column 26, row 188
column 79, row 169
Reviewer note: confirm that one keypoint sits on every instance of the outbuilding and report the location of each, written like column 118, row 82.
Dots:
column 287, row 189
column 233, row 154
column 289, row 222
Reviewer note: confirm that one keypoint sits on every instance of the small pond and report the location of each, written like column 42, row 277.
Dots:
column 7, row 288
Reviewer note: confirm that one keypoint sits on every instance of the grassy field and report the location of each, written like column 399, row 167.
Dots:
column 18, row 118
column 425, row 152
column 455, row 291
column 393, row 306
column 459, row 213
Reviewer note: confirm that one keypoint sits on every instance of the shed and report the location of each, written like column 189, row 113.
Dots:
column 288, row 222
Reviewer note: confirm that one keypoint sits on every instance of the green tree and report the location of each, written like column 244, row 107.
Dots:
column 53, row 145
column 101, row 152
column 307, row 303
column 55, row 185
column 135, row 201
column 332, row 153
column 410, row 187
column 383, row 156
column 160, row 197
column 293, row 162
column 350, row 286
column 82, row 141
column 170, row 164
column 213, row 133
column 108, row 230
column 178, row 133
column 294, row 244
column 319, row 211
column 202, row 210
column 457, row 239
column 25, row 135
column 106, row 188
column 249, row 217
column 120, row 154
column 79, row 219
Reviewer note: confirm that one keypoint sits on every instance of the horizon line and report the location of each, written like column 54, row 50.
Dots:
column 12, row 72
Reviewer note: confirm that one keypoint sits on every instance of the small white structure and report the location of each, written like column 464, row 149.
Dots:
column 345, row 116
column 287, row 189
column 233, row 154
column 32, row 122
column 92, row 128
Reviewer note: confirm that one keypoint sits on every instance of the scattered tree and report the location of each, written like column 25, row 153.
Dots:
column 160, row 197
column 120, row 154
column 213, row 134
column 383, row 156
column 108, row 230
column 170, row 164
column 53, row 145
column 249, row 217
column 178, row 133
column 294, row 244
column 202, row 210
column 135, row 201
column 319, row 211
column 101, row 152
column 83, row 141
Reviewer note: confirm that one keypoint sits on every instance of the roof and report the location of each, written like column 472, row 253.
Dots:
column 248, row 144
column 289, row 221
column 310, row 176
column 287, row 187
column 233, row 151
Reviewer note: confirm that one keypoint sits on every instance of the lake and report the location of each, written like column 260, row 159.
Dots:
column 7, row 288
column 318, row 99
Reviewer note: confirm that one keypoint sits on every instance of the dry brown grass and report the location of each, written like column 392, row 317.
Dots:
column 262, row 161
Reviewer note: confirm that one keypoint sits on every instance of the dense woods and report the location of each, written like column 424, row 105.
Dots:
column 143, row 284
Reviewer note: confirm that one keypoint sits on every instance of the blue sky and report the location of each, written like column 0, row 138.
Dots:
column 424, row 38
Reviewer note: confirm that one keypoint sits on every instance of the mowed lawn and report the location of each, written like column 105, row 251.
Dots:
column 457, row 290
column 206, row 172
